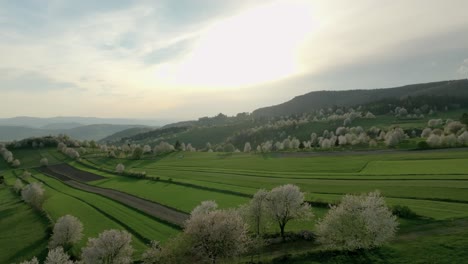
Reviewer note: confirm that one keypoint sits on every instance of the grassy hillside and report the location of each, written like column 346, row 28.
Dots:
column 125, row 133
column 23, row 230
column 323, row 99
column 97, row 213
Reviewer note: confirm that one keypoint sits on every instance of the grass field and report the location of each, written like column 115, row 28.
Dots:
column 23, row 230
column 30, row 158
column 98, row 213
column 434, row 184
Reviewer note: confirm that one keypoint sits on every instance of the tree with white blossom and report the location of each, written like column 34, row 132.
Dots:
column 111, row 246
column 285, row 203
column 358, row 222
column 67, row 231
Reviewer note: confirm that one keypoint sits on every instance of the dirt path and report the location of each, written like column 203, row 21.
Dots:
column 151, row 208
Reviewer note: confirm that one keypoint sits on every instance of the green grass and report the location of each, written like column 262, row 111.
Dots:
column 23, row 231
column 441, row 242
column 434, row 183
column 99, row 213
column 30, row 158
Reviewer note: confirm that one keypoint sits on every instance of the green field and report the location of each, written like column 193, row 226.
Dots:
column 23, row 230
column 30, row 158
column 98, row 213
column 434, row 184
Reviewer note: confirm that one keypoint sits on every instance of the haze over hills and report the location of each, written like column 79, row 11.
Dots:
column 64, row 122
column 324, row 99
column 82, row 128
column 87, row 132
column 114, row 129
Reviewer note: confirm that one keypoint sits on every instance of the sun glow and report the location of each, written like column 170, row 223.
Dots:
column 259, row 45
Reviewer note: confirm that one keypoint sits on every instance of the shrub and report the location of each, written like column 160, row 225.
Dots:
column 404, row 211
column 423, row 145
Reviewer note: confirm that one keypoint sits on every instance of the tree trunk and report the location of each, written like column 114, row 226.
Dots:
column 282, row 231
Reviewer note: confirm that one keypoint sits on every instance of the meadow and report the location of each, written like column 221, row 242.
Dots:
column 97, row 213
column 433, row 184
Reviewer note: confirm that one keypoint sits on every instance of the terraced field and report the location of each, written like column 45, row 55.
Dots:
column 23, row 230
column 98, row 213
column 434, row 184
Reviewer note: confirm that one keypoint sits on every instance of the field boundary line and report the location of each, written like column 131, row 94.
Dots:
column 177, row 225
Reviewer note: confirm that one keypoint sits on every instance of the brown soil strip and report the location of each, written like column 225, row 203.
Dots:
column 156, row 210
column 74, row 173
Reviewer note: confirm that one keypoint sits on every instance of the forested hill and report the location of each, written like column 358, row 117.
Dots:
column 324, row 99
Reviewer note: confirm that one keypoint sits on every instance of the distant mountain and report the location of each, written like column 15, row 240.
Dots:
column 9, row 133
column 350, row 98
column 61, row 125
column 61, row 122
column 88, row 132
column 126, row 133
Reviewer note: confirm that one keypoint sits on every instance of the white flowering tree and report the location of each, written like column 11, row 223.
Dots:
column 358, row 222
column 111, row 246
column 285, row 203
column 216, row 235
column 67, row 231
column 33, row 194
column 58, row 256
column 247, row 147
column 153, row 254
column 255, row 212
column 44, row 162
column 120, row 168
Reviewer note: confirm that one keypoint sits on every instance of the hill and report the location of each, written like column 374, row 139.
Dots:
column 323, row 99
column 87, row 132
column 126, row 133
column 66, row 122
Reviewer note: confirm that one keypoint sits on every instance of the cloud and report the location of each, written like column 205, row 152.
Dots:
column 30, row 81
column 170, row 52
column 154, row 57
column 463, row 69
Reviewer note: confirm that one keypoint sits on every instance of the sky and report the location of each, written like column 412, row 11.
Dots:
column 184, row 59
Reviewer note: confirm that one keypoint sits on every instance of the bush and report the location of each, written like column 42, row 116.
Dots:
column 404, row 211
column 423, row 145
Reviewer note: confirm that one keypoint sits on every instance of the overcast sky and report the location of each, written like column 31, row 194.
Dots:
column 183, row 59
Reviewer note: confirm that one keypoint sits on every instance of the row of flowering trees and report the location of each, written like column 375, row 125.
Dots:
column 213, row 235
